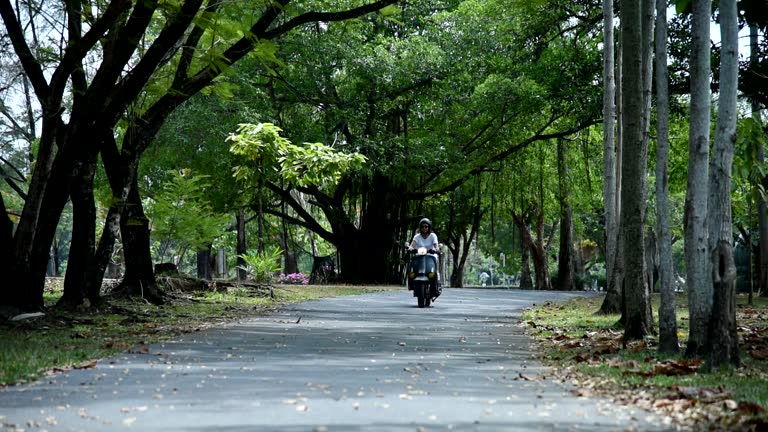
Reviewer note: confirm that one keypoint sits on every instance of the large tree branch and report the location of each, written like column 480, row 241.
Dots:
column 184, row 89
column 309, row 17
column 160, row 52
column 500, row 156
column 79, row 46
column 306, row 219
column 74, row 30
column 12, row 181
column 188, row 52
column 260, row 31
column 121, row 46
column 28, row 61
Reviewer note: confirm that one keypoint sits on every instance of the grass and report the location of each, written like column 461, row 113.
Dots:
column 587, row 349
column 67, row 339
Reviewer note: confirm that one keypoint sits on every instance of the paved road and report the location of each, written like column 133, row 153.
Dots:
column 374, row 362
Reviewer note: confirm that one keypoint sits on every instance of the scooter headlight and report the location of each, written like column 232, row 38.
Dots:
column 411, row 275
column 431, row 275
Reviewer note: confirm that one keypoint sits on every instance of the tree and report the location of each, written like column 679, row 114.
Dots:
column 637, row 322
column 722, row 338
column 565, row 259
column 69, row 144
column 699, row 278
column 762, row 207
column 449, row 104
column 266, row 153
column 610, row 181
column 668, row 343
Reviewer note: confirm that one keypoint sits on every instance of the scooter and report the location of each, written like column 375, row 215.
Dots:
column 422, row 276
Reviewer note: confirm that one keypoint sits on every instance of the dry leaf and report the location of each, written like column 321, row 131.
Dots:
column 140, row 350
column 86, row 365
column 750, row 408
column 759, row 354
column 674, row 368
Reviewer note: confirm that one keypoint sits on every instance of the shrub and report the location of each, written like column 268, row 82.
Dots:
column 294, row 279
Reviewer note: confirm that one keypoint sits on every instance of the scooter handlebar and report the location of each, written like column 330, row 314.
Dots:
column 431, row 251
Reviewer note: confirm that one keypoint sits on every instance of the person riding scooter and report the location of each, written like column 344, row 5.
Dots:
column 428, row 239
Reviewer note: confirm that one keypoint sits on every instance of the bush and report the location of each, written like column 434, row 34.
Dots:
column 294, row 279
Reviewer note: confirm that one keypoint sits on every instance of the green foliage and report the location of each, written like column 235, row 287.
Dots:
column 748, row 170
column 262, row 267
column 182, row 212
column 193, row 137
column 309, row 164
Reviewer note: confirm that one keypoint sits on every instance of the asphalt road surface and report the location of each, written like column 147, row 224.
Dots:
column 373, row 362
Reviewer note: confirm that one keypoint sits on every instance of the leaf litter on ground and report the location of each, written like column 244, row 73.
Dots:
column 588, row 352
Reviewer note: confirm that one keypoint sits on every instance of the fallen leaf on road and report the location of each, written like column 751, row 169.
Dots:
column 85, row 365
column 140, row 350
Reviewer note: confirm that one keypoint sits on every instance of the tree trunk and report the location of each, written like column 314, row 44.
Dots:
column 723, row 338
column 651, row 259
column 30, row 248
column 540, row 253
column 351, row 262
column 463, row 225
column 613, row 303
column 290, row 265
column 722, row 331
column 139, row 276
column 204, row 265
column 242, row 245
column 762, row 208
column 609, row 138
column 457, row 276
column 637, row 322
column 565, row 260
column 611, row 167
column 83, row 245
column 699, row 278
column 668, row 341
column 526, row 245
column 55, row 258
column 103, row 256
column 6, row 235
column 260, row 211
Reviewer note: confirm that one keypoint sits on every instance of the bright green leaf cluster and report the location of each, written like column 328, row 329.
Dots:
column 308, row 164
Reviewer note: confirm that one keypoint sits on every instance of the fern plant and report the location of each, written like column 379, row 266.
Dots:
column 261, row 268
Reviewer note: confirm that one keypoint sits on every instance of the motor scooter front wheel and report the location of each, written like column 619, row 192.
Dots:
column 422, row 295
